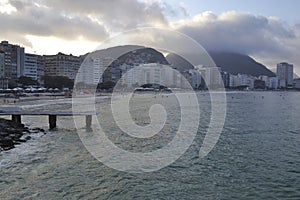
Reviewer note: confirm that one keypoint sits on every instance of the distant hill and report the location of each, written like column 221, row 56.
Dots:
column 230, row 62
column 142, row 56
column 235, row 63
column 116, row 52
column 178, row 62
column 130, row 55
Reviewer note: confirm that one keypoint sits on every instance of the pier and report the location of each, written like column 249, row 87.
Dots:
column 16, row 116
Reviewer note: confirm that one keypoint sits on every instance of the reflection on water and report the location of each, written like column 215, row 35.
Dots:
column 257, row 156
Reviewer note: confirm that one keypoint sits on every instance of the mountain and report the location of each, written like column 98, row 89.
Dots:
column 114, row 52
column 178, row 62
column 141, row 56
column 130, row 55
column 235, row 63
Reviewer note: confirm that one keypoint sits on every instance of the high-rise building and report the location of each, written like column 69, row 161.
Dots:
column 285, row 75
column 212, row 77
column 3, row 79
column 297, row 83
column 13, row 60
column 92, row 69
column 34, row 67
column 2, row 75
column 62, row 65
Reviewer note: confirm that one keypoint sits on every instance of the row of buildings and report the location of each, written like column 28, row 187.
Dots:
column 14, row 63
column 214, row 77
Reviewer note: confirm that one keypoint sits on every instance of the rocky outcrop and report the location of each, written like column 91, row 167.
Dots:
column 12, row 133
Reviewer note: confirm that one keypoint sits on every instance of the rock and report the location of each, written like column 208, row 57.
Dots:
column 37, row 130
column 16, row 136
column 7, row 143
column 12, row 134
column 27, row 137
column 3, row 134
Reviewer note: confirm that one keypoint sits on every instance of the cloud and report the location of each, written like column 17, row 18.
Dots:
column 259, row 36
column 32, row 19
column 91, row 20
column 237, row 32
column 116, row 14
column 269, row 39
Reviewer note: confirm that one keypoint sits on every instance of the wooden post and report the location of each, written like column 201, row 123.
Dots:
column 88, row 121
column 16, row 118
column 52, row 122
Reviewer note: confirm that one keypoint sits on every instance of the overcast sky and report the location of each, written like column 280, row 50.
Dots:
column 268, row 30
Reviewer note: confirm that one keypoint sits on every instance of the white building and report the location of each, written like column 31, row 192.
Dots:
column 152, row 73
column 196, row 78
column 241, row 80
column 233, row 81
column 34, row 67
column 273, row 83
column 92, row 69
column 212, row 76
column 297, row 83
column 285, row 75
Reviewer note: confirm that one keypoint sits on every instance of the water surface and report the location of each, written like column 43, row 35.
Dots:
column 256, row 157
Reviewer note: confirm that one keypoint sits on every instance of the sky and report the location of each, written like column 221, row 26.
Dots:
column 267, row 30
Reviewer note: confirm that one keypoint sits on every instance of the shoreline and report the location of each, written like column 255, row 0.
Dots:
column 7, row 101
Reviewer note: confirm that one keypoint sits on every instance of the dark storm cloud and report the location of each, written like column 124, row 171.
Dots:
column 238, row 32
column 269, row 39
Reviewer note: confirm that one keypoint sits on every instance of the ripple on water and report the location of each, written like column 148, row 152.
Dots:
column 257, row 157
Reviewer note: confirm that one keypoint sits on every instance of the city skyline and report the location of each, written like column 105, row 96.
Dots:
column 15, row 63
column 268, row 32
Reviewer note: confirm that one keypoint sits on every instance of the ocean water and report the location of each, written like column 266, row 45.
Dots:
column 256, row 157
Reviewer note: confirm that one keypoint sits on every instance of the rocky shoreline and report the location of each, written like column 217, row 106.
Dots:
column 12, row 133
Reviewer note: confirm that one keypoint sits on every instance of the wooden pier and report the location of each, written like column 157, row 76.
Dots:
column 16, row 116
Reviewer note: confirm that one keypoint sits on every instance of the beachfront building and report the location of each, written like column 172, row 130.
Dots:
column 232, row 81
column 285, row 75
column 92, row 70
column 246, row 80
column 152, row 73
column 226, row 79
column 2, row 75
column 3, row 79
column 62, row 65
column 34, row 67
column 296, row 83
column 13, row 60
column 195, row 78
column 211, row 76
column 273, row 83
column 241, row 80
